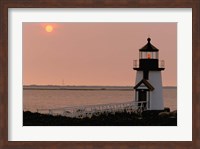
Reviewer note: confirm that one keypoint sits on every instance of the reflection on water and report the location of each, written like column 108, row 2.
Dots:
column 47, row 99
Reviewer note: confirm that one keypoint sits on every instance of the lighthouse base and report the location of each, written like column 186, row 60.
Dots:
column 154, row 98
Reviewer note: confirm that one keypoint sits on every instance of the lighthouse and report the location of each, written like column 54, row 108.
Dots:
column 148, row 84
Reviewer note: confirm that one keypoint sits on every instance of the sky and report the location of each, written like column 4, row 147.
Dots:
column 94, row 53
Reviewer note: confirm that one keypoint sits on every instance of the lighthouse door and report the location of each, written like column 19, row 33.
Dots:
column 142, row 96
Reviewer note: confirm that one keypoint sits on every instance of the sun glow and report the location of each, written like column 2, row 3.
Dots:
column 49, row 28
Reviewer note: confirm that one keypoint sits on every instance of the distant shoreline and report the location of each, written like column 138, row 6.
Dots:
column 90, row 88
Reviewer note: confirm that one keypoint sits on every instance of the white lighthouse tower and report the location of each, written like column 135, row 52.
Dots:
column 148, row 87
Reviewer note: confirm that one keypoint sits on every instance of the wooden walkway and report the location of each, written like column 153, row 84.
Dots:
column 89, row 110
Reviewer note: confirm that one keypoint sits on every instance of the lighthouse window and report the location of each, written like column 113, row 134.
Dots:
column 148, row 55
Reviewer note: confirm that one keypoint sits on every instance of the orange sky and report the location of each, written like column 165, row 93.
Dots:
column 94, row 53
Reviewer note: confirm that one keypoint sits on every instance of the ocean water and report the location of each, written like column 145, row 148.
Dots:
column 34, row 99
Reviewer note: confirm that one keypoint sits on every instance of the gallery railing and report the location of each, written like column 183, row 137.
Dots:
column 161, row 64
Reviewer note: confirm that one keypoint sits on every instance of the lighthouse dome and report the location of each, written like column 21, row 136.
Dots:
column 149, row 47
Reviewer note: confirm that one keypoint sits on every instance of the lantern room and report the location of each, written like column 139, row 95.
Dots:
column 148, row 54
column 148, row 51
column 148, row 58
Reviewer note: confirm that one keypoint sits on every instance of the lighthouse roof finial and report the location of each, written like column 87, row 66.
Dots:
column 148, row 39
column 149, row 47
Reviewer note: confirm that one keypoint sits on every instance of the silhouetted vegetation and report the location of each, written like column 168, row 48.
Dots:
column 147, row 118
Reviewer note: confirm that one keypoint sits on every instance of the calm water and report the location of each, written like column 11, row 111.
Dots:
column 46, row 99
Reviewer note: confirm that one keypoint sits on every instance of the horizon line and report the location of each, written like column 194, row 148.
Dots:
column 90, row 85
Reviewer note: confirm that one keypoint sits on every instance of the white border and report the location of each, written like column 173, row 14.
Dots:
column 182, row 132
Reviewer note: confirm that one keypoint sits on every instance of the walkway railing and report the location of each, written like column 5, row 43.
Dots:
column 89, row 110
column 161, row 64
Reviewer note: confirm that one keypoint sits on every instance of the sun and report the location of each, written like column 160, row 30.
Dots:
column 49, row 28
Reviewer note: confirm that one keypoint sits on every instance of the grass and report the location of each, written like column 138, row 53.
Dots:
column 147, row 118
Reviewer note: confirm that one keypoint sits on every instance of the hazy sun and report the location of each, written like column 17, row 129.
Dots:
column 49, row 28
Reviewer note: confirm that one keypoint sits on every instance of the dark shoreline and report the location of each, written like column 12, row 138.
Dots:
column 80, row 89
column 148, row 118
column 84, row 88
